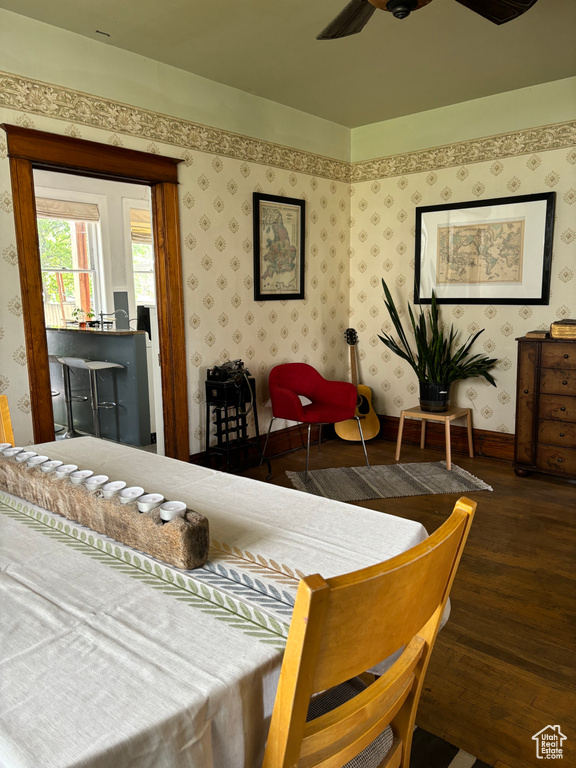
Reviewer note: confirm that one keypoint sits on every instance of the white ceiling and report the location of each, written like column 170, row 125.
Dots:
column 442, row 54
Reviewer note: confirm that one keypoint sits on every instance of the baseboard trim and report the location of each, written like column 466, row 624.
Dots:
column 492, row 445
column 280, row 441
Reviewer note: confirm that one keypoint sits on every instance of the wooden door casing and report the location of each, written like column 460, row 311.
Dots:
column 30, row 149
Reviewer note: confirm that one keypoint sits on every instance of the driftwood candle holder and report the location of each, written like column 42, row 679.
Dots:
column 183, row 542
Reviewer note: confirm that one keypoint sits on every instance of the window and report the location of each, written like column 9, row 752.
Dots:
column 143, row 265
column 142, row 256
column 69, row 239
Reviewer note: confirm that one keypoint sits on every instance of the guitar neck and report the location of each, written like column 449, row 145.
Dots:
column 353, row 369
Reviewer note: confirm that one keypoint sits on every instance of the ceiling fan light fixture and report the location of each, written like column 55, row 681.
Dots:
column 401, row 8
column 356, row 14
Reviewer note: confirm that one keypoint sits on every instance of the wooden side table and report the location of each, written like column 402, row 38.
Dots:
column 446, row 417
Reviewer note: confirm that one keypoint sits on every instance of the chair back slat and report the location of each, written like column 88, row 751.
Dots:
column 347, row 624
column 367, row 714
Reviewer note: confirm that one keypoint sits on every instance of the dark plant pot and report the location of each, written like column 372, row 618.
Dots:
column 434, row 397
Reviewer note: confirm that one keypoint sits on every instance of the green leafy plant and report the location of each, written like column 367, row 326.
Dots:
column 437, row 356
column 80, row 314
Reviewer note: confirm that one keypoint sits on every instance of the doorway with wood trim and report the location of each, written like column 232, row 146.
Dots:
column 30, row 149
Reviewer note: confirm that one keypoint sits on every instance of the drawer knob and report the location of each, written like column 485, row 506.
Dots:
column 560, row 460
column 564, row 382
column 566, row 357
column 562, row 407
column 525, row 391
column 561, row 434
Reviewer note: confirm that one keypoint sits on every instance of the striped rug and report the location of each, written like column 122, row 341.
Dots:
column 429, row 751
column 386, row 481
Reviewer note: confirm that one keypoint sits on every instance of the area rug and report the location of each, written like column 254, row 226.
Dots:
column 429, row 751
column 386, row 481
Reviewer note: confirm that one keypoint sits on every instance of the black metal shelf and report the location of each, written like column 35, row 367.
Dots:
column 228, row 404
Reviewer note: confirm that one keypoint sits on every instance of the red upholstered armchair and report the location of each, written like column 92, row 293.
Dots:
column 331, row 401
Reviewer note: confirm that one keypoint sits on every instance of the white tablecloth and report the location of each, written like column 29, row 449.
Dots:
column 109, row 658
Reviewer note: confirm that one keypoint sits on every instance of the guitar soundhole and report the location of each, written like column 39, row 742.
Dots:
column 363, row 405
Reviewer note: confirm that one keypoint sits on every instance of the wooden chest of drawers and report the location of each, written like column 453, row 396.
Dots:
column 546, row 407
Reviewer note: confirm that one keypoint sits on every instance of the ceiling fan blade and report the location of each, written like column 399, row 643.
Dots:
column 498, row 11
column 351, row 20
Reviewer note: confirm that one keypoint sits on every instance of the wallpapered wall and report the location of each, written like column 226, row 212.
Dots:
column 355, row 235
column 382, row 246
column 215, row 194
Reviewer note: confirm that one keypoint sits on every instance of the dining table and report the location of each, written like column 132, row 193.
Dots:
column 110, row 658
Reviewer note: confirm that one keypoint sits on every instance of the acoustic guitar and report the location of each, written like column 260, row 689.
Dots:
column 348, row 430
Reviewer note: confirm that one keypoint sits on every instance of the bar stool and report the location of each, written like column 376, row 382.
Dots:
column 55, row 393
column 69, row 398
column 92, row 366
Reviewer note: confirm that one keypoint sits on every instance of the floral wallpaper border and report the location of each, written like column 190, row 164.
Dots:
column 531, row 140
column 36, row 97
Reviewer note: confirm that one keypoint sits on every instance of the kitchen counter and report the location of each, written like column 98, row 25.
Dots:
column 94, row 331
column 128, row 421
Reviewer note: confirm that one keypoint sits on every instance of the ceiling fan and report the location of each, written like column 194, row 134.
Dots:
column 354, row 17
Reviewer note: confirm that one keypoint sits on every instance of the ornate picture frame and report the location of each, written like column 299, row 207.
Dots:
column 278, row 247
column 496, row 251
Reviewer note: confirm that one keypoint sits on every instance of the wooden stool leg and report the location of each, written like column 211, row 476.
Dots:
column 399, row 441
column 448, row 447
column 470, row 435
column 423, row 433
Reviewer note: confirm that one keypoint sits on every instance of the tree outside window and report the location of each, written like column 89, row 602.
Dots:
column 143, row 266
column 68, row 273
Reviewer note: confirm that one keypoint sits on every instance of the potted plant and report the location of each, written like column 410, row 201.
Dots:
column 438, row 360
column 81, row 316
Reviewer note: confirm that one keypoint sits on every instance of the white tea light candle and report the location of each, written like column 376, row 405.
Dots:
column 35, row 461
column 12, row 451
column 66, row 469
column 149, row 501
column 171, row 509
column 110, row 489
column 25, row 455
column 130, row 494
column 96, row 481
column 80, row 476
column 50, row 466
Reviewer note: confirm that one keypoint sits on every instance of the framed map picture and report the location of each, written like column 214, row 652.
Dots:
column 495, row 251
column 278, row 247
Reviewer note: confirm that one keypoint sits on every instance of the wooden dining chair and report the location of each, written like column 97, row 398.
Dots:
column 347, row 624
column 6, row 433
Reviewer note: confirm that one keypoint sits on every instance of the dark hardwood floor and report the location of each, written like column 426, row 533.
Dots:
column 504, row 665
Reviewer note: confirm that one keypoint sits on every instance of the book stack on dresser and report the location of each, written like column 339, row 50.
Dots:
column 563, row 329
